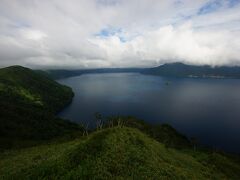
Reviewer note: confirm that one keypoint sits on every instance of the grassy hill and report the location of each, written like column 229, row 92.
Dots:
column 115, row 153
column 28, row 103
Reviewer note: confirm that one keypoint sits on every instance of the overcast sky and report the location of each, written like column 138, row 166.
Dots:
column 118, row 33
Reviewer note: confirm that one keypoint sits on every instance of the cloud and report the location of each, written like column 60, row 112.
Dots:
column 118, row 33
column 170, row 44
column 33, row 34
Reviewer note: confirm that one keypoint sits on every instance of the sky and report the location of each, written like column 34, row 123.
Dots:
column 77, row 34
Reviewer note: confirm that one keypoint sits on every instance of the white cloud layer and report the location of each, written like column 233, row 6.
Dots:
column 118, row 33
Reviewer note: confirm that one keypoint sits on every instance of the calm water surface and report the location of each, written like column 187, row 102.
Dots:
column 208, row 109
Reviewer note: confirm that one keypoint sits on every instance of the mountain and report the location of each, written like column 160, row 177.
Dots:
column 169, row 70
column 28, row 103
column 183, row 70
column 62, row 73
column 115, row 153
column 121, row 148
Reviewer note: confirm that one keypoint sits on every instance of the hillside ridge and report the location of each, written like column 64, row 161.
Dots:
column 28, row 103
column 117, row 152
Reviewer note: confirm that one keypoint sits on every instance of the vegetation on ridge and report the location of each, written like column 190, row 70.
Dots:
column 28, row 103
column 115, row 153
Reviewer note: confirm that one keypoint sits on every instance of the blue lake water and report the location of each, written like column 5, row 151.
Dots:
column 207, row 109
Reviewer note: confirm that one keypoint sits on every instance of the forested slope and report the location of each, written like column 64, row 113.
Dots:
column 28, row 103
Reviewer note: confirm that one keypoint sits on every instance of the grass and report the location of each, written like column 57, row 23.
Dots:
column 115, row 153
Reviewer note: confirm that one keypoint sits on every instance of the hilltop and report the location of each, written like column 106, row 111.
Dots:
column 115, row 153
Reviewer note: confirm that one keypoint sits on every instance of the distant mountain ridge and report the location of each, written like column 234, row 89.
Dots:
column 64, row 73
column 183, row 70
column 168, row 70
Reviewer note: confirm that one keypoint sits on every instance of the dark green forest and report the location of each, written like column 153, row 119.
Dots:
column 28, row 103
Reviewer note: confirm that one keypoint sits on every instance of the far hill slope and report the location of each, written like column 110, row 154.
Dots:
column 63, row 73
column 115, row 153
column 34, row 87
column 183, row 70
column 28, row 102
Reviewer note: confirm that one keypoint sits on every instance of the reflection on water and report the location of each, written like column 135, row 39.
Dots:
column 208, row 109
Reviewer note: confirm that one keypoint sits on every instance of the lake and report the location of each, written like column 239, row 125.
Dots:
column 207, row 109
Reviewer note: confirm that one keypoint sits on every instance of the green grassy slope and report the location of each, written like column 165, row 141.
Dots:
column 115, row 153
column 28, row 102
column 163, row 133
column 34, row 87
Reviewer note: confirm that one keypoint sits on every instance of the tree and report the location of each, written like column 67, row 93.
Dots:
column 99, row 120
column 85, row 130
column 194, row 143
